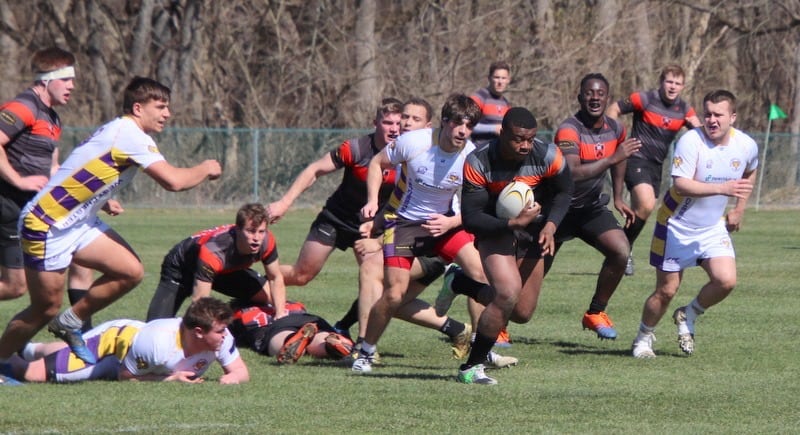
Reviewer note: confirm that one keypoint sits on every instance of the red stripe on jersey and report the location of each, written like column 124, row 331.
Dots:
column 20, row 110
column 636, row 100
column 345, row 154
column 473, row 176
column 46, row 129
column 662, row 122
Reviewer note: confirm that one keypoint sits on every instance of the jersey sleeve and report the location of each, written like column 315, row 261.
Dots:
column 631, row 104
column 271, row 251
column 138, row 147
column 228, row 352
column 15, row 117
column 684, row 160
column 208, row 264
column 343, row 155
column 567, row 139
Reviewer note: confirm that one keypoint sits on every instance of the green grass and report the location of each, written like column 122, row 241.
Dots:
column 742, row 378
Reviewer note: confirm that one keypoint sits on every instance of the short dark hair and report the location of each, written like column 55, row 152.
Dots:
column 594, row 76
column 673, row 69
column 720, row 95
column 205, row 311
column 416, row 101
column 389, row 106
column 51, row 59
column 500, row 64
column 459, row 107
column 518, row 117
column 253, row 212
column 141, row 90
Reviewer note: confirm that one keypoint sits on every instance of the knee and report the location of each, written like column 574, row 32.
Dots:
column 14, row 290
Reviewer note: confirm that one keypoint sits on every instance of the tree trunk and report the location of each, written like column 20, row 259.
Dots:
column 105, row 96
column 140, row 42
column 366, row 88
column 791, row 179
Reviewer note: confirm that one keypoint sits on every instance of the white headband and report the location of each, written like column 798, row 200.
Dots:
column 67, row 72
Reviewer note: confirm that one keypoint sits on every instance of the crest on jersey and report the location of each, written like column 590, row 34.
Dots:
column 735, row 164
column 599, row 150
column 665, row 122
column 454, row 177
column 141, row 363
column 677, row 161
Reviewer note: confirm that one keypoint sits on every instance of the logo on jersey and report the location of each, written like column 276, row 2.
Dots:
column 735, row 164
column 677, row 162
column 422, row 170
column 8, row 118
column 665, row 122
column 599, row 150
column 709, row 164
column 153, row 149
column 454, row 177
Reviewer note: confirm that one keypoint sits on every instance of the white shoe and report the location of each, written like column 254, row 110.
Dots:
column 362, row 364
column 496, row 361
column 446, row 295
column 629, row 266
column 685, row 331
column 475, row 375
column 642, row 346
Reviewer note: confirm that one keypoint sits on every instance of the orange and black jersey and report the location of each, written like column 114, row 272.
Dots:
column 654, row 123
column 493, row 109
column 346, row 202
column 34, row 130
column 574, row 138
column 486, row 174
column 213, row 252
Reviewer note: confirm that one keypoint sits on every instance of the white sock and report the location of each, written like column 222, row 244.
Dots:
column 693, row 311
column 644, row 329
column 367, row 348
column 28, row 352
column 69, row 320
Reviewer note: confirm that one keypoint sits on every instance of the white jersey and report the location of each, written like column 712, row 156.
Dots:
column 430, row 177
column 93, row 172
column 157, row 350
column 698, row 158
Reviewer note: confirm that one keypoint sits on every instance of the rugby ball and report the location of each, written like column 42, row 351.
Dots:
column 513, row 199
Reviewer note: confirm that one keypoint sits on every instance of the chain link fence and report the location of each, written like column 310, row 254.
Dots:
column 260, row 164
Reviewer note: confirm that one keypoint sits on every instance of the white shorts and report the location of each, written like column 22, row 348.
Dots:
column 56, row 250
column 685, row 247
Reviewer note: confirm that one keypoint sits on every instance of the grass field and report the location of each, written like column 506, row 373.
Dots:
column 742, row 378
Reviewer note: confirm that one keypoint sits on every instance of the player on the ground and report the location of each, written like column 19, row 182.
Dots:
column 593, row 144
column 710, row 165
column 60, row 225
column 511, row 250
column 179, row 349
column 220, row 258
column 658, row 116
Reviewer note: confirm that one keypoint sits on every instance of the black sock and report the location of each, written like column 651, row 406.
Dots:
column 480, row 350
column 464, row 285
column 452, row 327
column 350, row 317
column 632, row 232
column 74, row 296
column 596, row 307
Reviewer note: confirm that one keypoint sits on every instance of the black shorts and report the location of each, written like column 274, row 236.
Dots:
column 639, row 171
column 432, row 268
column 10, row 248
column 331, row 231
column 587, row 224
column 520, row 244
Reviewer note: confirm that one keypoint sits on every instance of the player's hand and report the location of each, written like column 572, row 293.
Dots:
column 229, row 379
column 113, row 207
column 526, row 216
column 438, row 224
column 184, row 376
column 213, row 169
column 363, row 247
column 626, row 149
column 547, row 240
column 733, row 220
column 740, row 188
column 32, row 183
column 276, row 210
column 625, row 211
column 369, row 210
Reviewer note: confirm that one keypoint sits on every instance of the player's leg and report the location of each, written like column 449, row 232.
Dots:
column 667, row 284
column 12, row 274
column 79, row 279
column 319, row 244
column 370, row 286
column 46, row 291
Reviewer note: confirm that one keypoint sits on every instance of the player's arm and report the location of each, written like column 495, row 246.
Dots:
column 30, row 183
column 618, row 187
column 377, row 164
column 176, row 179
column 201, row 289
column 740, row 188
column 733, row 219
column 613, row 111
column 180, row 376
column 235, row 372
column 277, row 288
column 693, row 121
column 304, row 180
